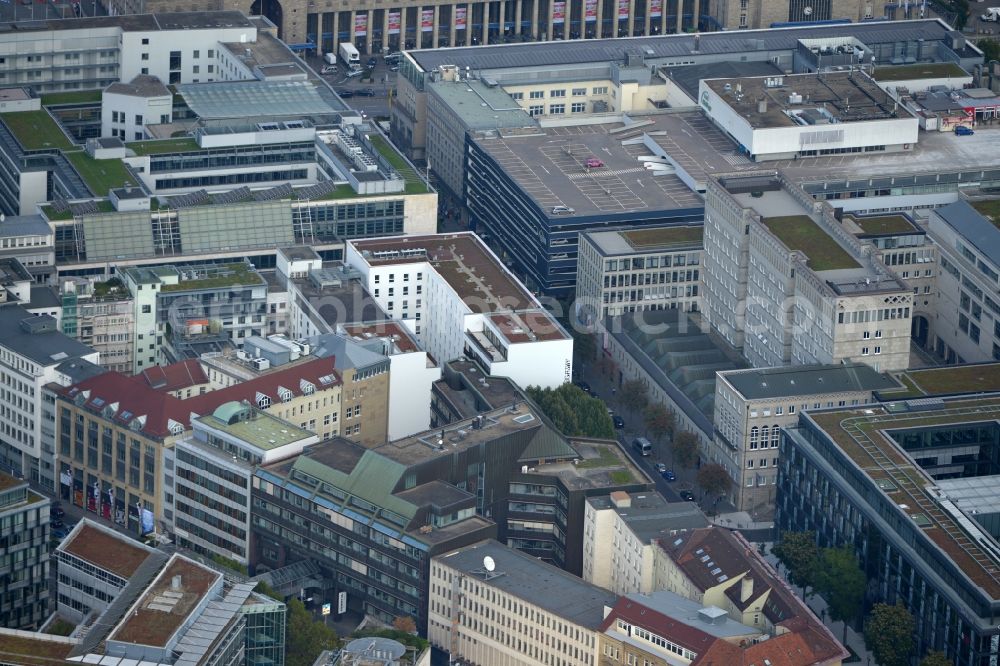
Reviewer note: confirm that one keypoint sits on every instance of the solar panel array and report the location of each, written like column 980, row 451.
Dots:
column 60, row 205
column 199, row 198
column 318, row 190
column 85, row 208
column 233, row 196
column 279, row 192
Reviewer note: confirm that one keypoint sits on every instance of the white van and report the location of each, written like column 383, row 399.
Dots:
column 642, row 445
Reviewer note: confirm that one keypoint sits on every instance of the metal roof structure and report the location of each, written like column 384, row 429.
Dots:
column 973, row 227
column 254, row 99
column 764, row 383
column 217, row 616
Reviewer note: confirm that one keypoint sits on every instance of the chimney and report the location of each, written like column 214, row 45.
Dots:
column 621, row 499
column 746, row 588
column 175, row 583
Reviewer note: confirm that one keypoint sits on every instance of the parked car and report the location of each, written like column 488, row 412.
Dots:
column 372, row 61
column 669, row 475
column 619, row 422
column 344, row 94
column 59, row 532
column 583, row 386
column 365, row 92
column 687, row 495
column 354, row 72
column 56, row 522
column 56, row 511
column 328, row 69
column 593, row 163
column 660, row 468
column 962, row 130
column 394, row 67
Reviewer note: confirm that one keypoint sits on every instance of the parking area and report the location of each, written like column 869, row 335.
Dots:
column 369, row 97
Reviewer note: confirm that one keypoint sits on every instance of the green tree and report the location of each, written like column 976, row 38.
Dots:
column 714, row 479
column 305, row 638
column 936, row 659
column 634, row 394
column 889, row 634
column 660, row 421
column 800, row 555
column 574, row 412
column 585, row 346
column 404, row 623
column 841, row 582
column 990, row 49
column 685, row 448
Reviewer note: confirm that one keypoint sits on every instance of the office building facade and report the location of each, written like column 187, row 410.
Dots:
column 24, row 555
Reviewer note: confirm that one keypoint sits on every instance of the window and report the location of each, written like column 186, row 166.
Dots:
column 878, row 334
column 146, row 309
column 195, row 69
column 749, row 463
column 601, row 90
column 557, row 93
column 878, row 350
column 197, row 54
column 144, row 56
column 517, row 95
column 867, row 335
column 211, row 53
column 536, row 110
column 536, row 94
column 864, row 351
column 138, row 119
column 556, row 109
column 579, row 92
column 145, row 41
column 579, row 107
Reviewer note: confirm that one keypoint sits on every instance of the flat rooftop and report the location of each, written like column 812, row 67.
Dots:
column 28, row 649
column 262, row 430
column 861, row 435
column 106, row 550
column 7, row 482
column 535, row 582
column 815, row 99
column 602, row 464
column 650, row 516
column 685, row 610
column 550, row 168
column 800, row 232
column 215, row 276
column 884, row 225
column 162, row 609
column 494, row 391
column 979, row 231
column 950, row 380
column 649, row 239
column 397, row 333
column 928, row 70
column 483, row 107
column 527, row 326
column 766, row 383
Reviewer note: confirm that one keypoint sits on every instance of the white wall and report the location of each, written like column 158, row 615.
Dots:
column 149, row 109
column 33, row 190
column 410, row 380
column 162, row 42
column 548, row 364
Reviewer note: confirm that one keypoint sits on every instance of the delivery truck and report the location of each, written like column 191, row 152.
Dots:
column 349, row 54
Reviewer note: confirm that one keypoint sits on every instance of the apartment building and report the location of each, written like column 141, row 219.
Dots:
column 101, row 315
column 29, row 239
column 459, row 299
column 24, row 555
column 634, row 270
column 786, row 284
column 493, row 605
column 752, row 406
column 620, row 537
column 213, row 468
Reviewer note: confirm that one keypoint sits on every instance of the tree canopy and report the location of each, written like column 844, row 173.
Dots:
column 889, row 634
column 634, row 394
column 990, row 49
column 936, row 659
column 840, row 581
column 305, row 638
column 685, row 448
column 714, row 479
column 660, row 421
column 800, row 555
column 574, row 412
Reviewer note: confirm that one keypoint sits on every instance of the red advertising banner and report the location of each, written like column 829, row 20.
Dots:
column 591, row 11
column 623, row 8
column 427, row 20
column 394, row 23
column 559, row 12
column 460, row 18
column 655, row 8
column 360, row 24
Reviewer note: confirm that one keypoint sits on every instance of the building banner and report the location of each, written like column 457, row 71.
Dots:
column 394, row 23
column 655, row 8
column 460, row 13
column 427, row 20
column 361, row 24
column 559, row 12
column 623, row 7
column 591, row 11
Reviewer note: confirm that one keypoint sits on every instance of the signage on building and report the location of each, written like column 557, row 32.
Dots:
column 591, row 11
column 326, row 609
column 623, row 7
column 655, row 8
column 361, row 24
column 394, row 23
column 460, row 13
column 341, row 603
column 427, row 20
column 559, row 12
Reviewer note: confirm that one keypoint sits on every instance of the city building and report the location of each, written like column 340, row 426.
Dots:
column 127, row 107
column 29, row 239
column 879, row 480
column 460, row 300
column 101, row 315
column 804, row 115
column 965, row 326
column 752, row 406
column 634, row 270
column 620, row 537
column 24, row 555
column 212, row 472
column 33, row 354
column 785, row 283
column 493, row 605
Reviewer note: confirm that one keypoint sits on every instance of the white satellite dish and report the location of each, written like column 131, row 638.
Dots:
column 489, row 564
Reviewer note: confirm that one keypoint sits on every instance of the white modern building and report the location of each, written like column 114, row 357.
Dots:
column 459, row 299
column 803, row 115
column 126, row 108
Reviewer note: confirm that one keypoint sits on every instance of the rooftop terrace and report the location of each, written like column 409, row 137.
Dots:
column 602, row 464
column 34, row 649
column 261, row 430
column 949, row 380
column 647, row 239
column 237, row 274
column 929, row 70
column 101, row 175
column 885, row 225
column 800, row 232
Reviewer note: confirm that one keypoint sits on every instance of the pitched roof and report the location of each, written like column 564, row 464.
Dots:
column 807, row 645
column 678, row 631
column 127, row 399
column 175, row 376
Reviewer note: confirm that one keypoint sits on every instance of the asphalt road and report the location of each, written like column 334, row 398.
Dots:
column 384, row 81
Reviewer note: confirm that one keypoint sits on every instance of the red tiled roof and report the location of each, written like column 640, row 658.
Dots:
column 175, row 376
column 677, row 631
column 135, row 398
column 804, row 647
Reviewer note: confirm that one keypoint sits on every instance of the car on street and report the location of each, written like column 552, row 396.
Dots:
column 355, row 72
column 59, row 532
column 394, row 67
column 56, row 511
column 372, row 61
column 687, row 495
column 962, row 130
column 583, row 386
column 365, row 92
column 56, row 522
column 619, row 422
column 669, row 475
column 660, row 468
column 344, row 94
column 328, row 69
column 593, row 163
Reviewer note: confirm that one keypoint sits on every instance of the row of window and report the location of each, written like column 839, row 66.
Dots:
column 560, row 92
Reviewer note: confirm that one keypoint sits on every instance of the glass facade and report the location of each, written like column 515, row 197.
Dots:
column 265, row 632
column 24, row 557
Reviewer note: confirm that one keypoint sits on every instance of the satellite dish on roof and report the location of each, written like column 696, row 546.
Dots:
column 489, row 564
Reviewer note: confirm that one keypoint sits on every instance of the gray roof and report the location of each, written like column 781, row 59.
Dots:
column 973, row 227
column 138, row 22
column 548, row 54
column 24, row 225
column 48, row 348
column 252, row 99
column 688, row 77
column 651, row 516
column 143, row 85
column 43, row 296
column 480, row 106
column 535, row 582
column 765, row 383
column 346, row 352
column 686, row 611
column 78, row 370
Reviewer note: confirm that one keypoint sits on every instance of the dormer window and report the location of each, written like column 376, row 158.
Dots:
column 284, row 394
column 263, row 401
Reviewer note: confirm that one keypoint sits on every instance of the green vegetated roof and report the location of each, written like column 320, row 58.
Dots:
column 918, row 71
column 231, row 275
column 990, row 209
column 800, row 232
column 983, row 377
column 884, row 224
column 163, row 146
column 101, row 175
column 414, row 184
column 71, row 97
column 36, row 130
column 643, row 238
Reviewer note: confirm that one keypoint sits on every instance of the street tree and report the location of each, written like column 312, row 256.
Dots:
column 685, row 448
column 634, row 394
column 990, row 49
column 573, row 412
column 841, row 582
column 800, row 555
column 936, row 659
column 660, row 421
column 305, row 637
column 714, row 479
column 889, row 634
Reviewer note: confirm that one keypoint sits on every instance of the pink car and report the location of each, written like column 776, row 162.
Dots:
column 593, row 163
